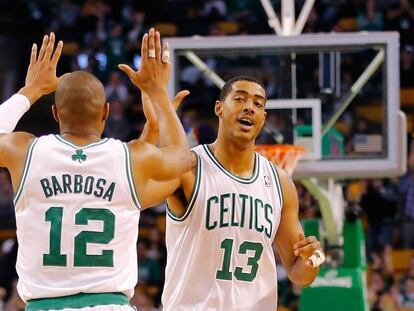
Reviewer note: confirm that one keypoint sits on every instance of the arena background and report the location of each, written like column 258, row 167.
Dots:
column 98, row 35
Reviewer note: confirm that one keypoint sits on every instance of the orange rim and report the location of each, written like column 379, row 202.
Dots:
column 285, row 156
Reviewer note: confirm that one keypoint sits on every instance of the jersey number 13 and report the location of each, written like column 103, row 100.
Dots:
column 253, row 261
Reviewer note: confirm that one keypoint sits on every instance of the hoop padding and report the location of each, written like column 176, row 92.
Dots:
column 285, row 156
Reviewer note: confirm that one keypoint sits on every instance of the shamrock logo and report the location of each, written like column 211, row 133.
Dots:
column 79, row 156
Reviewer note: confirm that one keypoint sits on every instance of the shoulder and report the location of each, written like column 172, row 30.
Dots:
column 14, row 147
column 16, row 141
column 136, row 146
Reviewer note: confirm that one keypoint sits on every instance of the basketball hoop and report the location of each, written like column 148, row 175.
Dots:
column 285, row 156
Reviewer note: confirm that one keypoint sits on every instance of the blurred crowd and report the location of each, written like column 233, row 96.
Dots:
column 100, row 34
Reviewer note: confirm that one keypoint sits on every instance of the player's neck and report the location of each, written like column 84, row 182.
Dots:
column 237, row 159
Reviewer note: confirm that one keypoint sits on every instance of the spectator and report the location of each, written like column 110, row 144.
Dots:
column 143, row 302
column 407, row 294
column 312, row 23
column 117, row 125
column 115, row 48
column 407, row 66
column 2, row 295
column 6, row 201
column 370, row 19
column 67, row 17
column 410, row 272
column 14, row 303
column 156, row 248
column 214, row 10
column 115, row 89
column 400, row 18
column 92, row 16
column 149, row 270
column 137, row 28
column 406, row 189
column 376, row 288
column 8, row 272
column 380, row 211
column 390, row 300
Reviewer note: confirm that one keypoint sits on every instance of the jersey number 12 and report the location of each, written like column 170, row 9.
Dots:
column 55, row 258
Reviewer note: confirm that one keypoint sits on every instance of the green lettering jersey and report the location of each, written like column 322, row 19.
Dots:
column 219, row 253
column 77, row 219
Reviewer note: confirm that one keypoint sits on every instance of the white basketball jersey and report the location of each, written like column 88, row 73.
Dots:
column 77, row 219
column 219, row 253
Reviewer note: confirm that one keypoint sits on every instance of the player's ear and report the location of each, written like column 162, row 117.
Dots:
column 55, row 113
column 106, row 112
column 264, row 119
column 218, row 108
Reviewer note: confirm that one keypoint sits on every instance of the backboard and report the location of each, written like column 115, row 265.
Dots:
column 338, row 94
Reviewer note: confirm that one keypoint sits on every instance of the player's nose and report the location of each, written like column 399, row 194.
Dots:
column 248, row 106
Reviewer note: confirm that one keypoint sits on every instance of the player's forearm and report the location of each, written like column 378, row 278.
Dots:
column 150, row 134
column 32, row 94
column 171, row 132
column 11, row 111
column 177, row 161
column 301, row 273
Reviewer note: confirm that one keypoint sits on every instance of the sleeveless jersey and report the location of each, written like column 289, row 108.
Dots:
column 219, row 253
column 77, row 219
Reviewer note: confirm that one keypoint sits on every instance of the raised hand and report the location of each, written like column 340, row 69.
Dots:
column 308, row 247
column 41, row 75
column 154, row 72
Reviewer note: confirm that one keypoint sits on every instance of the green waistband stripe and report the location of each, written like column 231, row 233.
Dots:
column 77, row 301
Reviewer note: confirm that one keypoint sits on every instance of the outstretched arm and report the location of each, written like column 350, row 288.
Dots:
column 173, row 158
column 295, row 250
column 155, row 192
column 151, row 128
column 40, row 80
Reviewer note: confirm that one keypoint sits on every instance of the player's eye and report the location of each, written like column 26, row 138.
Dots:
column 258, row 105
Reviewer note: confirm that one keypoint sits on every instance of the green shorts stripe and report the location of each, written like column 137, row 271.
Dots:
column 77, row 301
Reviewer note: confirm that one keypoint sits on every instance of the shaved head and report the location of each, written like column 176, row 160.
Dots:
column 80, row 98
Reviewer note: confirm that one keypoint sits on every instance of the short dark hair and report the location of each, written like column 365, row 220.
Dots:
column 227, row 87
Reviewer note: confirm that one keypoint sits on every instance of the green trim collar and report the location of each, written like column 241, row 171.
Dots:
column 250, row 180
column 70, row 144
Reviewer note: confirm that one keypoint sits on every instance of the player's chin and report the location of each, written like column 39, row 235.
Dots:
column 246, row 137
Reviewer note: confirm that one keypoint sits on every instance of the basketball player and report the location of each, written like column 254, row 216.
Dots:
column 77, row 195
column 225, row 214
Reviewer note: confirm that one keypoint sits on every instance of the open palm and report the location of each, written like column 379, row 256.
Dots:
column 41, row 73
